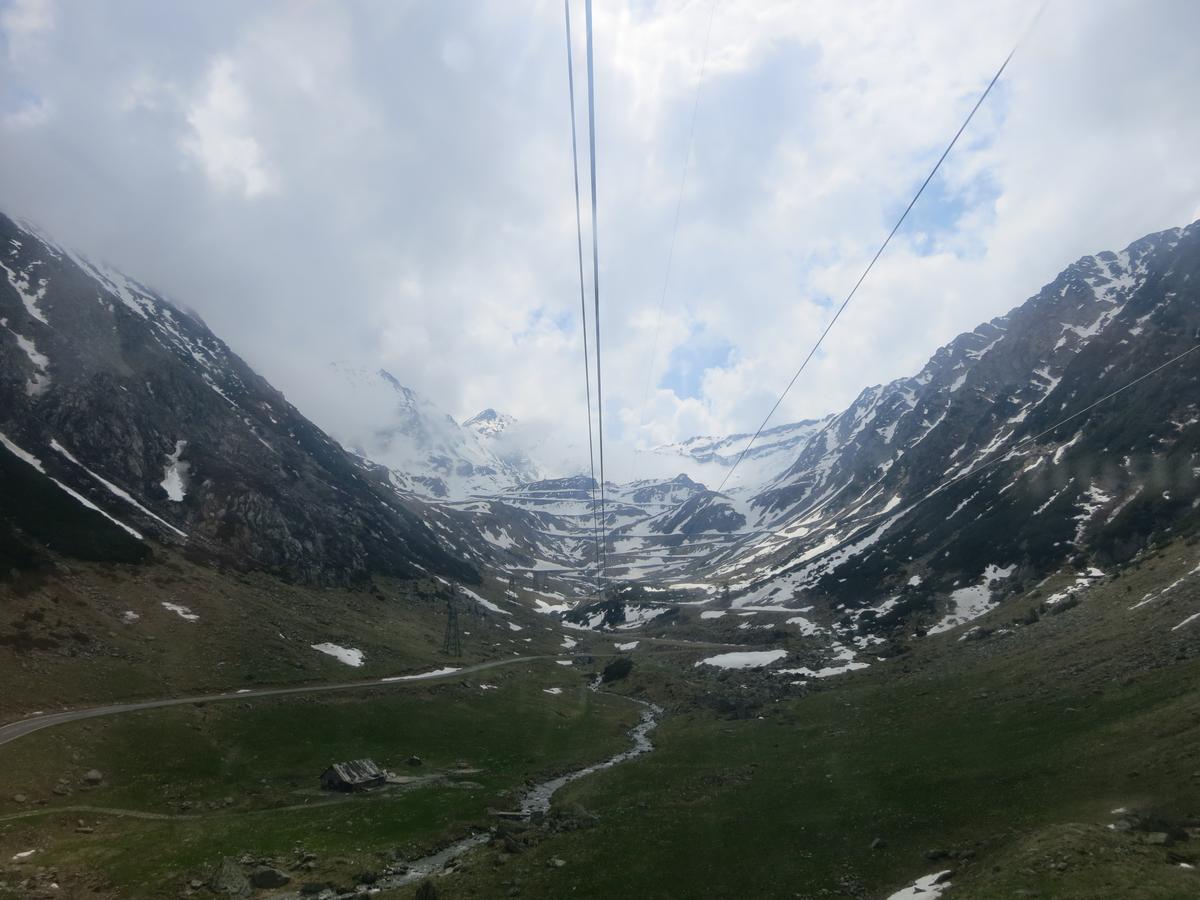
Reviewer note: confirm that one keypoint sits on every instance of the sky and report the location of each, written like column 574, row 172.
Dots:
column 389, row 183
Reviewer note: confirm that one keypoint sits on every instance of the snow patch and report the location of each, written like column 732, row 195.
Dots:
column 347, row 655
column 928, row 887
column 1186, row 621
column 40, row 380
column 486, row 604
column 744, row 659
column 116, row 491
column 20, row 282
column 37, row 464
column 182, row 611
column 175, row 473
column 971, row 602
column 435, row 673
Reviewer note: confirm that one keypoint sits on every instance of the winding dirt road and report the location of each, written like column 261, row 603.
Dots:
column 20, row 728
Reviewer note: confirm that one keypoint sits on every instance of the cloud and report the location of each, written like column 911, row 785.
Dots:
column 220, row 139
column 391, row 184
column 25, row 24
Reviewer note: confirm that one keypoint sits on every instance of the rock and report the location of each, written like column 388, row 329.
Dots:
column 93, row 777
column 195, row 884
column 19, row 798
column 555, row 863
column 415, row 761
column 935, row 855
column 229, row 880
column 878, row 844
column 268, row 877
column 1158, row 838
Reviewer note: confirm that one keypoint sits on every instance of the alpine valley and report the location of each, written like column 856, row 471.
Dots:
column 942, row 641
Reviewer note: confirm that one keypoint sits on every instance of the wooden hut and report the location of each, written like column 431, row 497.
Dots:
column 355, row 775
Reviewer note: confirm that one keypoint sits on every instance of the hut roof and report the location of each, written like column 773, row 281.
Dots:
column 357, row 771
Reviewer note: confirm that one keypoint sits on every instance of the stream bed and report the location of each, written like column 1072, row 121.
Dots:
column 535, row 800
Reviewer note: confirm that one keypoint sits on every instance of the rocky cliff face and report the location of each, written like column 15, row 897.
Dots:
column 134, row 405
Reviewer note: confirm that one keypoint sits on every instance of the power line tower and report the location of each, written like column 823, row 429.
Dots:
column 613, row 606
column 452, row 643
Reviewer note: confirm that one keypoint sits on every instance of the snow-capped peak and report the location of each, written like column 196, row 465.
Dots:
column 490, row 423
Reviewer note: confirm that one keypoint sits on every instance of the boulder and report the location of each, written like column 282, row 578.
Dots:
column 93, row 777
column 229, row 880
column 268, row 877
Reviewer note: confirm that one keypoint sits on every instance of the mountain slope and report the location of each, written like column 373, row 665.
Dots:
column 922, row 484
column 371, row 413
column 136, row 407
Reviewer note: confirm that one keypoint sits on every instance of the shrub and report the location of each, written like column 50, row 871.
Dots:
column 617, row 669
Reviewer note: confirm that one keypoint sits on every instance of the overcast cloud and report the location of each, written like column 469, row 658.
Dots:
column 390, row 183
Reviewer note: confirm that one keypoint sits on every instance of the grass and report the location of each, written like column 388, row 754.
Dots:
column 64, row 640
column 266, row 755
column 1013, row 750
column 1009, row 753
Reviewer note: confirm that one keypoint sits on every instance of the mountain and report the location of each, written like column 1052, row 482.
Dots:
column 1001, row 460
column 489, row 423
column 775, row 450
column 882, row 503
column 507, row 438
column 126, row 421
column 375, row 416
column 959, row 478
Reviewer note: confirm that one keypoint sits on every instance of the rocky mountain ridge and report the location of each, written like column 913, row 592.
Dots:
column 135, row 409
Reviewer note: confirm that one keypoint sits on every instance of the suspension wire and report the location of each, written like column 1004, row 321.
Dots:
column 596, row 288
column 587, row 375
column 687, row 159
column 887, row 240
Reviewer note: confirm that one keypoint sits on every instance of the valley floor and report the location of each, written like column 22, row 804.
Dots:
column 1059, row 758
